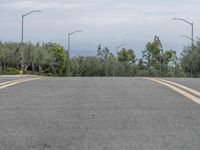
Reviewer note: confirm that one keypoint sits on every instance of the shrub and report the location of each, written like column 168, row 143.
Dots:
column 10, row 71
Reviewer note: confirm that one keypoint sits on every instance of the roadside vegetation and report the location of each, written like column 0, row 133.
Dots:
column 52, row 59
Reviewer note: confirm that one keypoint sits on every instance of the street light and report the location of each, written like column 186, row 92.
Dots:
column 34, row 11
column 187, row 37
column 22, row 36
column 192, row 30
column 192, row 33
column 69, row 35
column 117, row 49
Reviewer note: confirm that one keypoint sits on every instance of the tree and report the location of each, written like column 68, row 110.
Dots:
column 152, row 53
column 60, row 59
column 127, row 61
column 52, row 59
column 102, row 52
column 127, row 56
column 190, row 60
column 156, row 59
column 87, row 66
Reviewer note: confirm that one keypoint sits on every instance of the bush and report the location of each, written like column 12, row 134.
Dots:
column 27, row 72
column 143, row 73
column 10, row 71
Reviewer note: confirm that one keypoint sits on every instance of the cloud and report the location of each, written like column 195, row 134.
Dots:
column 103, row 20
column 126, row 9
column 30, row 4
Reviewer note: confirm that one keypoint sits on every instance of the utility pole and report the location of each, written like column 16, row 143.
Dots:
column 192, row 35
column 22, row 38
column 69, row 40
column 192, row 29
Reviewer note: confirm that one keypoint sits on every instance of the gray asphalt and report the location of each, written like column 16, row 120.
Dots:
column 192, row 83
column 5, row 78
column 97, row 114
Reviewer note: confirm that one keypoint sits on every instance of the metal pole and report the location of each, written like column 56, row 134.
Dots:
column 187, row 37
column 34, row 11
column 68, row 43
column 69, row 35
column 22, row 38
column 192, row 35
column 192, row 24
column 22, row 41
column 192, row 31
column 69, row 40
column 192, row 46
column 69, row 55
column 117, row 60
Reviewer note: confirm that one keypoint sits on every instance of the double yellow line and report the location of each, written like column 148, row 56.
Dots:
column 192, row 94
column 14, row 82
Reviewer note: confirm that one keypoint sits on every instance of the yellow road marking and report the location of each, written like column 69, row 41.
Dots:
column 182, row 87
column 182, row 92
column 14, row 82
column 7, row 82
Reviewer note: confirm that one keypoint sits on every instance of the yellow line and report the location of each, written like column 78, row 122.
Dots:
column 11, row 83
column 7, row 82
column 182, row 92
column 182, row 87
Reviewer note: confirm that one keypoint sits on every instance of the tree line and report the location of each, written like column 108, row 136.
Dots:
column 53, row 60
column 190, row 60
column 46, row 58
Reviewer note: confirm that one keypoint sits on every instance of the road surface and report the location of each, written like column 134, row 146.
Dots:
column 98, row 114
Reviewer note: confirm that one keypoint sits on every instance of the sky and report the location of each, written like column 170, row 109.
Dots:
column 106, row 22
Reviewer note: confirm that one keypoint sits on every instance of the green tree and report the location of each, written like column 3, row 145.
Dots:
column 126, row 65
column 102, row 52
column 190, row 60
column 152, row 53
column 60, row 59
column 127, row 55
column 156, row 59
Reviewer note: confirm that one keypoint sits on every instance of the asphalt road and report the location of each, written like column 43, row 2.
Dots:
column 189, row 82
column 5, row 78
column 97, row 114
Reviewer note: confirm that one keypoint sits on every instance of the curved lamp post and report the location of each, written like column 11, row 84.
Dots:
column 119, row 46
column 69, row 40
column 192, row 28
column 69, row 37
column 22, row 36
column 192, row 34
column 185, row 36
column 34, row 11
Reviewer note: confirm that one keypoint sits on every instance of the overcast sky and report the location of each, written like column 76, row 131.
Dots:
column 106, row 22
